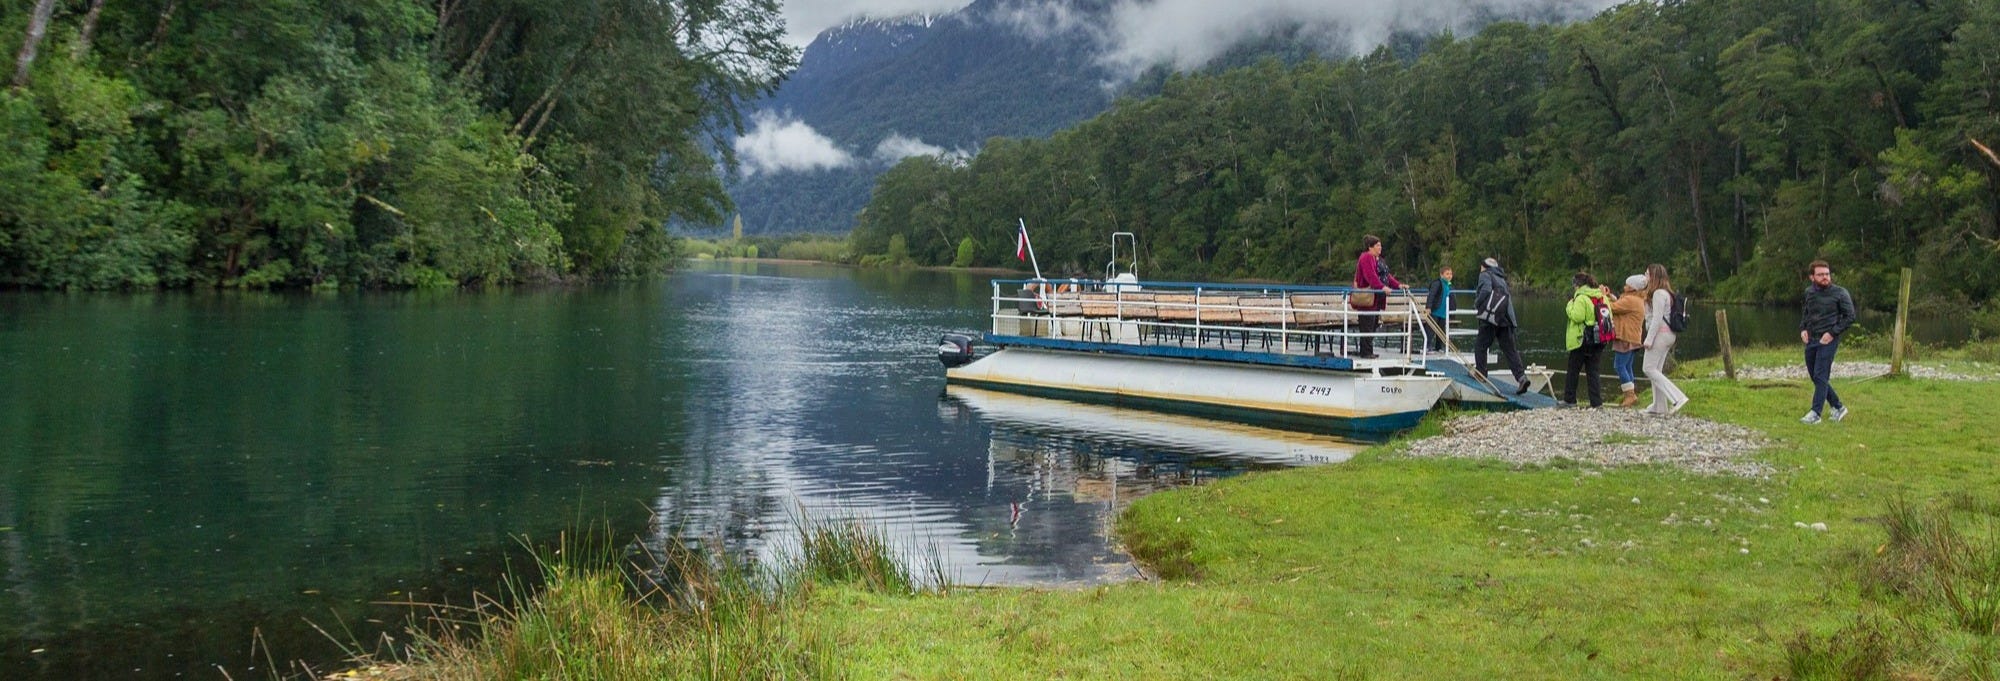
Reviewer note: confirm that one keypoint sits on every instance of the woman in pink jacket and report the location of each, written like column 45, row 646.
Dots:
column 1370, row 273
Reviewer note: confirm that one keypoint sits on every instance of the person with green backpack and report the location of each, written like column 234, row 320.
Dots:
column 1589, row 331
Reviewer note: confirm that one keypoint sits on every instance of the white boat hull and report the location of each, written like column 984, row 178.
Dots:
column 1223, row 439
column 1334, row 400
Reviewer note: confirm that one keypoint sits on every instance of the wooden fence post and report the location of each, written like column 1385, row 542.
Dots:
column 1722, row 339
column 1900, row 344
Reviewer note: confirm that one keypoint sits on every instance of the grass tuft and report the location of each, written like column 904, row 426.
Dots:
column 1929, row 561
column 1861, row 651
column 847, row 553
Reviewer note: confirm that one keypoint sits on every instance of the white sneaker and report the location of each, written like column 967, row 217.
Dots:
column 1811, row 417
column 1838, row 414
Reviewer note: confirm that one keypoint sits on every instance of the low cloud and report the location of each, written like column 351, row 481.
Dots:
column 1185, row 34
column 778, row 144
column 804, row 19
column 1045, row 19
column 897, row 147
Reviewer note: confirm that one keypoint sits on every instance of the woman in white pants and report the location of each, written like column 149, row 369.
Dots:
column 1667, row 397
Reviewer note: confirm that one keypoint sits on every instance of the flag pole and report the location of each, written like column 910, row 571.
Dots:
column 1030, row 245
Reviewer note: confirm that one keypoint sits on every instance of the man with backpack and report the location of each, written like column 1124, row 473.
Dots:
column 1829, row 310
column 1493, row 305
column 1589, row 331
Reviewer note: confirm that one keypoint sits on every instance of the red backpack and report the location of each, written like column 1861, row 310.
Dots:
column 1598, row 332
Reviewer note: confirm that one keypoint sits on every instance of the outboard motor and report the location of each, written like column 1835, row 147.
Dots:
column 955, row 350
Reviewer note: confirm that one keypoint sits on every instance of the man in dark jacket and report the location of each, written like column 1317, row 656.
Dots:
column 1829, row 310
column 1494, row 305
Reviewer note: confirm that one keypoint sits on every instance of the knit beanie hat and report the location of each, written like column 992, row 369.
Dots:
column 1492, row 262
column 1636, row 282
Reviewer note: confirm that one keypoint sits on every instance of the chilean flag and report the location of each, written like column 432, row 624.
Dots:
column 1021, row 244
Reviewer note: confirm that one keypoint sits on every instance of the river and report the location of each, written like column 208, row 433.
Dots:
column 194, row 482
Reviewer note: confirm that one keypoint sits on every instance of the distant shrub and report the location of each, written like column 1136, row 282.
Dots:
column 823, row 249
column 966, row 250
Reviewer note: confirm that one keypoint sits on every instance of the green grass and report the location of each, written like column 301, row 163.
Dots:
column 1388, row 567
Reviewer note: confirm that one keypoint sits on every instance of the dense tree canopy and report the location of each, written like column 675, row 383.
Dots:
column 1733, row 140
column 369, row 142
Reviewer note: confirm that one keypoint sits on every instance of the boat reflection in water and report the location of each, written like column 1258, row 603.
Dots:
column 1065, row 470
column 1118, row 429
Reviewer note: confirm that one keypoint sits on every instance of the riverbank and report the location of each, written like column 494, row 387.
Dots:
column 1401, row 566
column 1391, row 566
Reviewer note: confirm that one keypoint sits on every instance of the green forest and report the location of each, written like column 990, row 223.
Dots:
column 390, row 143
column 1732, row 140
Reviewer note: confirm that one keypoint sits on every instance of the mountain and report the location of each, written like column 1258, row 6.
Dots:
column 874, row 91
column 947, row 81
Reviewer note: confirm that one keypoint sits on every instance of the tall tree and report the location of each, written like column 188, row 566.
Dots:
column 38, row 26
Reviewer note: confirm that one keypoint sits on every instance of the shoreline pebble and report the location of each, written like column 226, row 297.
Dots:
column 1603, row 437
column 1843, row 369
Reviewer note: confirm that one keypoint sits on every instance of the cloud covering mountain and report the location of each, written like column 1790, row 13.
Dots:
column 805, row 19
column 1185, row 34
column 879, row 84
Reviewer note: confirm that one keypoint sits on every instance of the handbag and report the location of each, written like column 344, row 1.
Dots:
column 1361, row 299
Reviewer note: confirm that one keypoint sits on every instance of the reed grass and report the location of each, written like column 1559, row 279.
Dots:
column 681, row 613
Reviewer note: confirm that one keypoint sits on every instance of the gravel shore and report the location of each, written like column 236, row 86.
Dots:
column 1841, row 369
column 1603, row 437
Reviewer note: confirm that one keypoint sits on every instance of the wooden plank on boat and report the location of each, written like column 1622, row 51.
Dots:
column 1065, row 304
column 1099, row 304
column 1218, row 310
column 1318, row 309
column 1265, row 311
column 1175, row 307
column 1397, row 312
column 1137, row 305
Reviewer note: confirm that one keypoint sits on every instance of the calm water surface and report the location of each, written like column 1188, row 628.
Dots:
column 190, row 479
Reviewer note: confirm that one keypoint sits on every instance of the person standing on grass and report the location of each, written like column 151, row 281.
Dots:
column 1584, row 353
column 1628, row 321
column 1371, row 275
column 1439, row 304
column 1829, row 310
column 1493, row 306
column 1659, row 345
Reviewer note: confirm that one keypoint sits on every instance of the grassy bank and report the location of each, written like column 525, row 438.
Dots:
column 1388, row 567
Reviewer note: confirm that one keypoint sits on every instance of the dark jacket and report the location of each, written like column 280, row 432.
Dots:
column 1827, row 310
column 1438, row 301
column 1493, row 282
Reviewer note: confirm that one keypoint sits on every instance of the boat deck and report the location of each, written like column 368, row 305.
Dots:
column 1312, row 327
column 1253, row 323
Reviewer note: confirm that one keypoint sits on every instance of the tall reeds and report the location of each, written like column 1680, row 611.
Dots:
column 677, row 613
